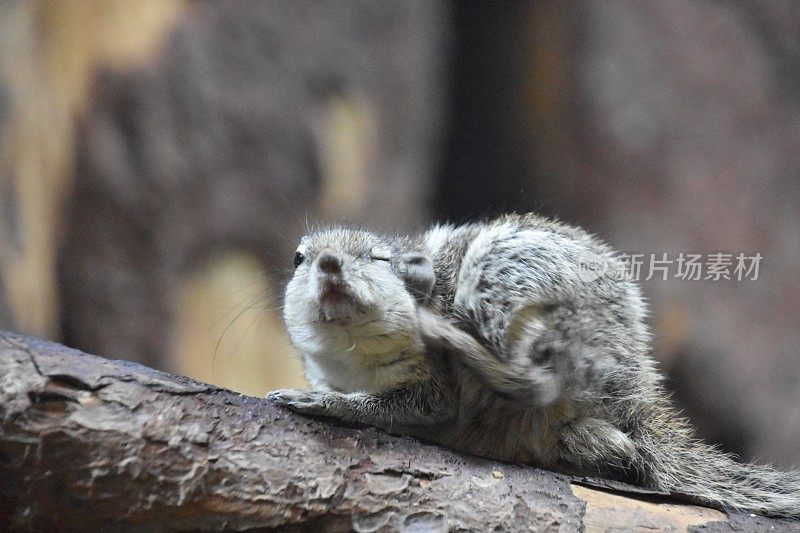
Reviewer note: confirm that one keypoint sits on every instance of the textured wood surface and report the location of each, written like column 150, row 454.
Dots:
column 89, row 443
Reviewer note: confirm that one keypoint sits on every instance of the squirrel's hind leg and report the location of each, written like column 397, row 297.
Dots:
column 519, row 378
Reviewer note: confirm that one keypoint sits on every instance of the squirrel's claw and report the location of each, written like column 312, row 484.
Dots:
column 310, row 402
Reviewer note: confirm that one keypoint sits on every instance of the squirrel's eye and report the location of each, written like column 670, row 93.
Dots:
column 381, row 253
column 298, row 259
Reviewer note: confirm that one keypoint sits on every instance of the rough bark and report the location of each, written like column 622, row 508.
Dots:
column 89, row 443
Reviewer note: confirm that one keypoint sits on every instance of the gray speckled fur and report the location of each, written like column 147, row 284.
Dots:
column 517, row 355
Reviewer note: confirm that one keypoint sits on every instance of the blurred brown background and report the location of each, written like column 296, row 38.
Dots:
column 159, row 160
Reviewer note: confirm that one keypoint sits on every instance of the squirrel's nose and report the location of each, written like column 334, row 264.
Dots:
column 328, row 263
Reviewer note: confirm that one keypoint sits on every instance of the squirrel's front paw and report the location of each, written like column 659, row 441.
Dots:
column 310, row 402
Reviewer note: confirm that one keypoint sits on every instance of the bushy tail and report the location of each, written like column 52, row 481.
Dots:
column 680, row 464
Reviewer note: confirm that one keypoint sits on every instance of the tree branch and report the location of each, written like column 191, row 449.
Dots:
column 87, row 442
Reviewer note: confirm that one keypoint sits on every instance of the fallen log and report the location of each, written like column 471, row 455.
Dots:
column 88, row 443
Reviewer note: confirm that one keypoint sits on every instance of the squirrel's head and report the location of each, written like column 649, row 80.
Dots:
column 353, row 291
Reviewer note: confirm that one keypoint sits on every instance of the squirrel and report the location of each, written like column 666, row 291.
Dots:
column 492, row 338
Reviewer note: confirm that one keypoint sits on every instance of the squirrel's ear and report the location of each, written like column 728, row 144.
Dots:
column 416, row 270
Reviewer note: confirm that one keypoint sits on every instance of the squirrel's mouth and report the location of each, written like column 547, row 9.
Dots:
column 336, row 301
column 335, row 292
